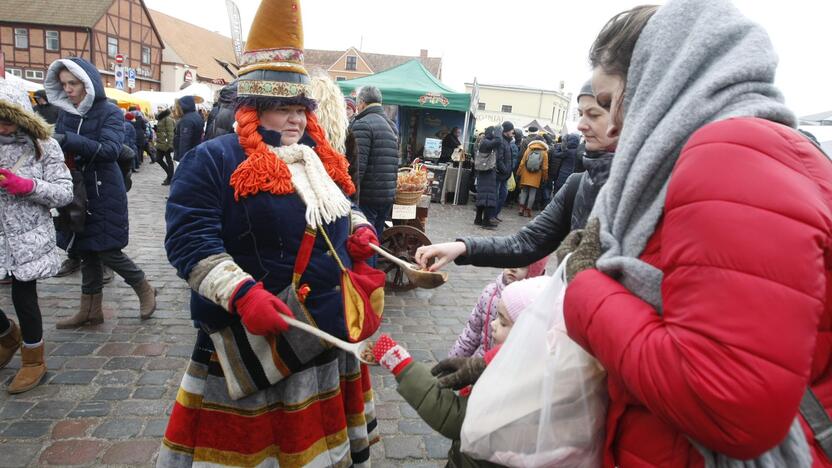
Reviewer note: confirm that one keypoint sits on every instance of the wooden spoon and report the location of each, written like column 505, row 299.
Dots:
column 421, row 278
column 357, row 349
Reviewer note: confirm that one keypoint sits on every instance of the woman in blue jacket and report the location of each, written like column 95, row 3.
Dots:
column 90, row 130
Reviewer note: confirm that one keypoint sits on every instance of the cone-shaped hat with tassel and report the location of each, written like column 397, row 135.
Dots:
column 272, row 64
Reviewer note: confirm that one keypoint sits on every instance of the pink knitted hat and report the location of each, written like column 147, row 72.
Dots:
column 519, row 294
column 537, row 268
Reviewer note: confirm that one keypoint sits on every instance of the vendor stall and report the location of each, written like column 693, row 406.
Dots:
column 425, row 107
column 125, row 100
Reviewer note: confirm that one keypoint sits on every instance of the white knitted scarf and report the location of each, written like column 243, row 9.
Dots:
column 324, row 200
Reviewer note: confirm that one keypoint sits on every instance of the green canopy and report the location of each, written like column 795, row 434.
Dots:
column 411, row 85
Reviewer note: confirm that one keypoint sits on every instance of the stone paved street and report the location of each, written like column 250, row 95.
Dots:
column 110, row 387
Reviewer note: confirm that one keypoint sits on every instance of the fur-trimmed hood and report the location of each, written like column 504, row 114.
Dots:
column 15, row 107
column 537, row 145
column 82, row 70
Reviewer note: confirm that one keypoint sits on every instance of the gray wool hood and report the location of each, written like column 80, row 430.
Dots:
column 695, row 62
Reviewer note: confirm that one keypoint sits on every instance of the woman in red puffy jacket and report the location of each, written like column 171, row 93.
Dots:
column 705, row 285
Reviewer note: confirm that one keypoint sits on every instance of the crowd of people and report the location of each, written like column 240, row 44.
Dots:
column 693, row 225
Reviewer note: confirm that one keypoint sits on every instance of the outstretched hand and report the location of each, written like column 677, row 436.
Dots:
column 442, row 254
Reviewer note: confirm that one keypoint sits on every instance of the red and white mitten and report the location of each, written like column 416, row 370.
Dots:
column 391, row 355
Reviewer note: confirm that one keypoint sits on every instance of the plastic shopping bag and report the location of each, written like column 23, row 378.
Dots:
column 542, row 401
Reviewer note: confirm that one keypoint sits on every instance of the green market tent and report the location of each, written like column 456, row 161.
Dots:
column 411, row 85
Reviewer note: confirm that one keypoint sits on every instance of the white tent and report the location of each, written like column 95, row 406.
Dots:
column 203, row 95
column 26, row 85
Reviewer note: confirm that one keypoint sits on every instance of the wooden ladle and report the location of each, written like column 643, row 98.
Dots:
column 357, row 349
column 421, row 278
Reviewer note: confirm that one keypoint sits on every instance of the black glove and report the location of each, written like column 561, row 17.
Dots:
column 60, row 138
column 458, row 373
column 585, row 247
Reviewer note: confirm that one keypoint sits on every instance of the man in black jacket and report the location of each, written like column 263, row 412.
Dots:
column 44, row 108
column 503, row 166
column 221, row 119
column 188, row 133
column 378, row 157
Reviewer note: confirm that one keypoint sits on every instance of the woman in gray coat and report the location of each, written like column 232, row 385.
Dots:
column 33, row 179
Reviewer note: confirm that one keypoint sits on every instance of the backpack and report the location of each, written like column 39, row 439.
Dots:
column 534, row 161
column 485, row 161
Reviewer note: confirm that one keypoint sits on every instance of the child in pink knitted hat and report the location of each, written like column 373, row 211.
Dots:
column 429, row 393
column 475, row 339
column 516, row 297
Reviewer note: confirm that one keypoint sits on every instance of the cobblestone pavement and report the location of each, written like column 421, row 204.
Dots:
column 110, row 387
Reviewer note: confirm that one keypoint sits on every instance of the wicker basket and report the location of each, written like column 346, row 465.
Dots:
column 408, row 198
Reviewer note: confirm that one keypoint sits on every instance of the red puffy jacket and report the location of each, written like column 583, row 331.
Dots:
column 745, row 245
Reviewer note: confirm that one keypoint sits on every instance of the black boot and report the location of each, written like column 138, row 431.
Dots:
column 478, row 218
column 69, row 266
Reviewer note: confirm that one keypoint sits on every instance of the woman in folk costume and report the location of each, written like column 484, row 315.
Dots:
column 259, row 224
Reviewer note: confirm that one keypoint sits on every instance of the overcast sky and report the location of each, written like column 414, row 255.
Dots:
column 530, row 43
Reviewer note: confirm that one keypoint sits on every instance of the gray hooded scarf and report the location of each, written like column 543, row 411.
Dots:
column 695, row 62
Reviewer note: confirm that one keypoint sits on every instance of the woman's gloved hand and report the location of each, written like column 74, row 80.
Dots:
column 262, row 312
column 585, row 247
column 458, row 373
column 358, row 244
column 14, row 184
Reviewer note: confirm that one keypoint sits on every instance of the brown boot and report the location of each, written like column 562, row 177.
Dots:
column 147, row 299
column 89, row 313
column 9, row 344
column 528, row 212
column 32, row 370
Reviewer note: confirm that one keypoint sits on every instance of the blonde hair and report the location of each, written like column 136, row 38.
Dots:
column 331, row 111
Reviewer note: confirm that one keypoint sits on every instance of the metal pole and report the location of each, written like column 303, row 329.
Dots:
column 464, row 147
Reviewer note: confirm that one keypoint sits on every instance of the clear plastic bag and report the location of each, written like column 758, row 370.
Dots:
column 542, row 401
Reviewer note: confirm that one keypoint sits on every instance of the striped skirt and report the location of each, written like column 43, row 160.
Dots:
column 320, row 416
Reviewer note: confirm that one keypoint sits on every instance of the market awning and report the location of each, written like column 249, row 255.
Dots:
column 412, row 85
column 126, row 100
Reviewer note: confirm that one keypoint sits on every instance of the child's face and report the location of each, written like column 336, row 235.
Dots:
column 501, row 325
column 511, row 275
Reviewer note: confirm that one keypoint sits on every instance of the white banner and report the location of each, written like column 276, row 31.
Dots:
column 236, row 28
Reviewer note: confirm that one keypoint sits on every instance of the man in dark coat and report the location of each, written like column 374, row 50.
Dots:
column 449, row 144
column 140, row 126
column 221, row 118
column 568, row 156
column 188, row 133
column 501, row 144
column 44, row 108
column 378, row 157
column 90, row 131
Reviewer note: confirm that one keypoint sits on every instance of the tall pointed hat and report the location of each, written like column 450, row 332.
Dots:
column 272, row 64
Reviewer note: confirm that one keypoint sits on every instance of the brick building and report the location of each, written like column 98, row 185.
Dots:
column 351, row 63
column 34, row 33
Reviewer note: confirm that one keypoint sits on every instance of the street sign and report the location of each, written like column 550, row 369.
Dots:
column 119, row 74
column 119, row 59
column 131, row 78
column 188, row 76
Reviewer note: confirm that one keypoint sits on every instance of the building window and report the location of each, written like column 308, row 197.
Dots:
column 340, row 78
column 15, row 71
column 506, row 109
column 112, row 46
column 21, row 38
column 146, row 55
column 352, row 61
column 34, row 74
column 480, row 106
column 53, row 41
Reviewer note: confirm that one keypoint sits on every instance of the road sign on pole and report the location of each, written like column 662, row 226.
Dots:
column 119, row 73
column 131, row 78
column 119, row 59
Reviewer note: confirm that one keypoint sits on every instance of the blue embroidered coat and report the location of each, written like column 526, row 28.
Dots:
column 262, row 233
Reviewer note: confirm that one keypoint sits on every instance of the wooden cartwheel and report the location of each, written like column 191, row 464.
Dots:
column 402, row 241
